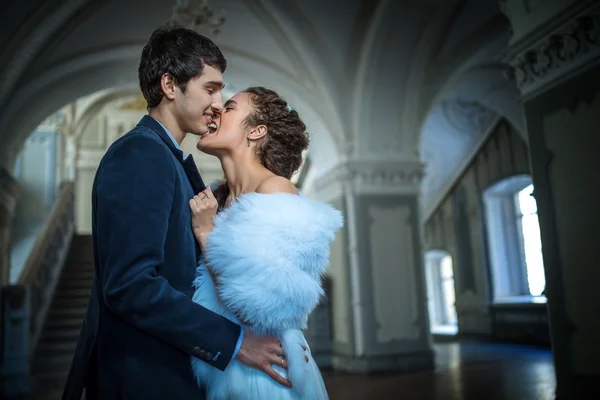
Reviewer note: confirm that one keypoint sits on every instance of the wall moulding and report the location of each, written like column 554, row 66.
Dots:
column 375, row 176
column 565, row 48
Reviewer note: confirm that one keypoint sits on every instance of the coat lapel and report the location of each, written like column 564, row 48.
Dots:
column 193, row 175
column 189, row 165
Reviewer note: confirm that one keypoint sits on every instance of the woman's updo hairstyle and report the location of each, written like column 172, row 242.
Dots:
column 281, row 149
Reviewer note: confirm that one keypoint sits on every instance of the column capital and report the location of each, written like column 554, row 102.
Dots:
column 558, row 44
column 372, row 176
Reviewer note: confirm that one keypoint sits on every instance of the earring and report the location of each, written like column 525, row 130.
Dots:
column 248, row 142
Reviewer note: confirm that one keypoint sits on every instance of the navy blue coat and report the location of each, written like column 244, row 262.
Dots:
column 141, row 327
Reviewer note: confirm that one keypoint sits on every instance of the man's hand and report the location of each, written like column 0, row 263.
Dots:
column 262, row 352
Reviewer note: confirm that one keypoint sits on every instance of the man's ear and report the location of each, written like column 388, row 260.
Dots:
column 168, row 86
column 258, row 132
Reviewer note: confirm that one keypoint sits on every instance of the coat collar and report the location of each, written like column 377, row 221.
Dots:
column 188, row 163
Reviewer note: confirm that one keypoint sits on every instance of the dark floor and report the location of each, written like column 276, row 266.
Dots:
column 466, row 371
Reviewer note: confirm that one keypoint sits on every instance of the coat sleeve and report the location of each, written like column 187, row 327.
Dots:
column 134, row 194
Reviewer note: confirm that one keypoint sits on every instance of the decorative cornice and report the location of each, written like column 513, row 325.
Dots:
column 371, row 175
column 52, row 123
column 536, row 63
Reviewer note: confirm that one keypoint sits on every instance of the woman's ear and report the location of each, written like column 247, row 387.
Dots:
column 258, row 132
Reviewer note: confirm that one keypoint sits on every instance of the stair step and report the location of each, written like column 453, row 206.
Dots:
column 72, row 293
column 70, row 303
column 54, row 352
column 69, row 309
column 62, row 334
column 45, row 347
column 78, row 267
column 49, row 381
column 47, row 395
column 67, row 322
column 51, row 364
column 78, row 276
column 81, row 256
column 85, row 284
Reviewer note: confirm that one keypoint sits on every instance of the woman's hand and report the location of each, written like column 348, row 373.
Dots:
column 204, row 208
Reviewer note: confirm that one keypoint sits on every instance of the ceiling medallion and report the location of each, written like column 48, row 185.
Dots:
column 198, row 16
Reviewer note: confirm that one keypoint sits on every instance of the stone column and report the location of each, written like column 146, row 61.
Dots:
column 555, row 60
column 378, row 298
column 8, row 194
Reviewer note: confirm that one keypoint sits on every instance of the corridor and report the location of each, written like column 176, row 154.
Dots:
column 465, row 371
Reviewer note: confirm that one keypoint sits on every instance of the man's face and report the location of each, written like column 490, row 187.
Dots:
column 201, row 102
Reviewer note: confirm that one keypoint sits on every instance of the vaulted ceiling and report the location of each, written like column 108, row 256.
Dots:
column 381, row 79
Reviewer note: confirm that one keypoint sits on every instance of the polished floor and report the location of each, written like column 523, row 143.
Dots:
column 465, row 371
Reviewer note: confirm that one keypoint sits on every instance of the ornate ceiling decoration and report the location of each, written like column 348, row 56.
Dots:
column 199, row 16
column 467, row 117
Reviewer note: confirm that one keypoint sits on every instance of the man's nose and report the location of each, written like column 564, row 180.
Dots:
column 217, row 104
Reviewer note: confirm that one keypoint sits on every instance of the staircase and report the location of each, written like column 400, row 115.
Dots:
column 55, row 349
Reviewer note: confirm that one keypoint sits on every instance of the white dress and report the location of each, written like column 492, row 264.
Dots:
column 269, row 252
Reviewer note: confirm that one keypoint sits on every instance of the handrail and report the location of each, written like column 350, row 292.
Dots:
column 25, row 304
column 34, row 261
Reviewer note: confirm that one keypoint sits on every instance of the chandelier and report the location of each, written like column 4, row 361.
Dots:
column 198, row 16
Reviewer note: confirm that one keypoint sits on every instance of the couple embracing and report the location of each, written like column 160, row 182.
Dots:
column 199, row 291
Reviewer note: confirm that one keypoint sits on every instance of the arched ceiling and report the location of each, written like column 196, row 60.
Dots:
column 86, row 46
column 372, row 78
column 467, row 92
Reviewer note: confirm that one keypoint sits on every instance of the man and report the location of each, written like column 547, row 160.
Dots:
column 142, row 328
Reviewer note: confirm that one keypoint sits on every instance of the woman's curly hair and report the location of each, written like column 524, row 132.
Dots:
column 281, row 149
column 286, row 139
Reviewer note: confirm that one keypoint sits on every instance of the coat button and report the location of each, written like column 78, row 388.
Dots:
column 198, row 352
column 209, row 355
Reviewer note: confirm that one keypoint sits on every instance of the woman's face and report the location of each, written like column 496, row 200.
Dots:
column 231, row 130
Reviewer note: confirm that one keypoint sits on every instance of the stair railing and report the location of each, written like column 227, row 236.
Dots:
column 26, row 303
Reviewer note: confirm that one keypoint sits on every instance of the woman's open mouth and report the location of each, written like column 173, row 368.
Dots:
column 212, row 127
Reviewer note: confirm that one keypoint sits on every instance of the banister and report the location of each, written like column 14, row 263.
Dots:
column 35, row 259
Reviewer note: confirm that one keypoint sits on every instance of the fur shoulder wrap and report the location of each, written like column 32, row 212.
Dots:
column 269, row 253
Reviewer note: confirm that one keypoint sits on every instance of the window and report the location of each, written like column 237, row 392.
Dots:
column 514, row 242
column 531, row 242
column 441, row 295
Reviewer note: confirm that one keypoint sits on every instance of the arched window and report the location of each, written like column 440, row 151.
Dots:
column 441, row 294
column 514, row 239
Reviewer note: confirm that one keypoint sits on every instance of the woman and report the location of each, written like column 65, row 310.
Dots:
column 267, row 248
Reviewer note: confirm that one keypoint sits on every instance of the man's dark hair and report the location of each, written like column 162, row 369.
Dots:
column 181, row 52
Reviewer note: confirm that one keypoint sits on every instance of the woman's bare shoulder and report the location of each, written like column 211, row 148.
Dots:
column 276, row 184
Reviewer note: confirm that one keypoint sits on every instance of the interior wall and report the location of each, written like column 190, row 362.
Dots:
column 102, row 130
column 458, row 225
column 116, row 118
column 35, row 172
